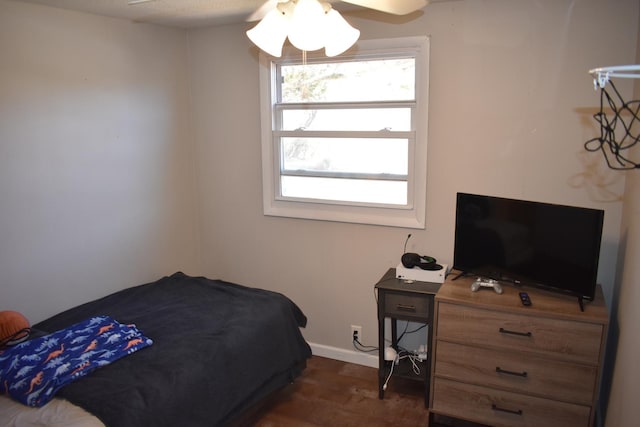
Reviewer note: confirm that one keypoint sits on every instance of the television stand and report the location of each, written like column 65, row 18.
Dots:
column 498, row 363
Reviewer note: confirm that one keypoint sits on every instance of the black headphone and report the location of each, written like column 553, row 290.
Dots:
column 410, row 260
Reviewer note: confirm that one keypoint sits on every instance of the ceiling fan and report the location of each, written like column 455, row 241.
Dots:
column 308, row 24
column 395, row 7
column 313, row 24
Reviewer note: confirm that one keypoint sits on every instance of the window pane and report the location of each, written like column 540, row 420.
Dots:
column 348, row 190
column 340, row 139
column 355, row 155
column 358, row 119
column 375, row 80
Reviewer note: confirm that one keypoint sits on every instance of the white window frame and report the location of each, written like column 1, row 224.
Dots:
column 410, row 216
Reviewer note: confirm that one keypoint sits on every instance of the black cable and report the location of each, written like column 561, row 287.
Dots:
column 406, row 326
column 363, row 348
column 607, row 142
column 405, row 332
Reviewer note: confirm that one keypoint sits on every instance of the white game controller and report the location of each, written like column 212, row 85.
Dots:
column 486, row 283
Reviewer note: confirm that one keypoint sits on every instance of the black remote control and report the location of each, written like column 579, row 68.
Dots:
column 524, row 297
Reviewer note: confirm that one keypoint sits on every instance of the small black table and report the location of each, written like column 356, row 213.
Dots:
column 399, row 299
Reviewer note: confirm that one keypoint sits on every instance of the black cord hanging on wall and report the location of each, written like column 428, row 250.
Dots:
column 619, row 120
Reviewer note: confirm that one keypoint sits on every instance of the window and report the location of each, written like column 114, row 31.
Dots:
column 344, row 138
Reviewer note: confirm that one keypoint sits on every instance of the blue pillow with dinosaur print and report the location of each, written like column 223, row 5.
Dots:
column 31, row 372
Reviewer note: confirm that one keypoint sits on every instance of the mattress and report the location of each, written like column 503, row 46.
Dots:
column 56, row 413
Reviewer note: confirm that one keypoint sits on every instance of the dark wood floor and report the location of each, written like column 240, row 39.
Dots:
column 339, row 394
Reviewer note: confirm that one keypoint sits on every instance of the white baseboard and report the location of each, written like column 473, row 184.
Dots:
column 351, row 356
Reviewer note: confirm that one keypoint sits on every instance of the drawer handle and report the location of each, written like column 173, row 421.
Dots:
column 516, row 374
column 521, row 334
column 406, row 307
column 508, row 411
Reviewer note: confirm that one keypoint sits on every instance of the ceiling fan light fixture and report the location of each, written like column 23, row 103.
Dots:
column 340, row 35
column 308, row 25
column 270, row 33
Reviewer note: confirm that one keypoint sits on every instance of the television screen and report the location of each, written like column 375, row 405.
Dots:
column 531, row 243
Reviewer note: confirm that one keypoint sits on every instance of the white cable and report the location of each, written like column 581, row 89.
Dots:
column 393, row 363
column 412, row 358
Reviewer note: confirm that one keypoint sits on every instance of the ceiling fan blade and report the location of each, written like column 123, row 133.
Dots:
column 261, row 12
column 395, row 7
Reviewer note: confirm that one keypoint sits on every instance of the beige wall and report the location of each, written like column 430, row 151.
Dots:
column 625, row 346
column 96, row 184
column 510, row 107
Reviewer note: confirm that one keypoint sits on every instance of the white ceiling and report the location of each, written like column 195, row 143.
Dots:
column 175, row 13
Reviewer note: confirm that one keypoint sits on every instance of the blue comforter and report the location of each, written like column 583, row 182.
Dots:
column 218, row 349
column 33, row 371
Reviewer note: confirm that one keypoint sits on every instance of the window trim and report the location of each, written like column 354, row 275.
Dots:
column 410, row 216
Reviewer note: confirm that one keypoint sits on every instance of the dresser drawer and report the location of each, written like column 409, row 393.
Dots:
column 575, row 341
column 518, row 372
column 505, row 409
column 403, row 305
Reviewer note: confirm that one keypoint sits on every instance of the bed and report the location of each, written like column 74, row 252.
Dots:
column 218, row 350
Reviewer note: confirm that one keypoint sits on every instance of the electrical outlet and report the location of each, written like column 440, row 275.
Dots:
column 356, row 333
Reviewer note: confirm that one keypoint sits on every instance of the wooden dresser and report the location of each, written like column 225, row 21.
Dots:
column 499, row 363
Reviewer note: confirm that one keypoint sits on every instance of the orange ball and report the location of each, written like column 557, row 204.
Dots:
column 13, row 326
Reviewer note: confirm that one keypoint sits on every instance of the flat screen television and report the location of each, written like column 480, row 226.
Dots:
column 545, row 245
